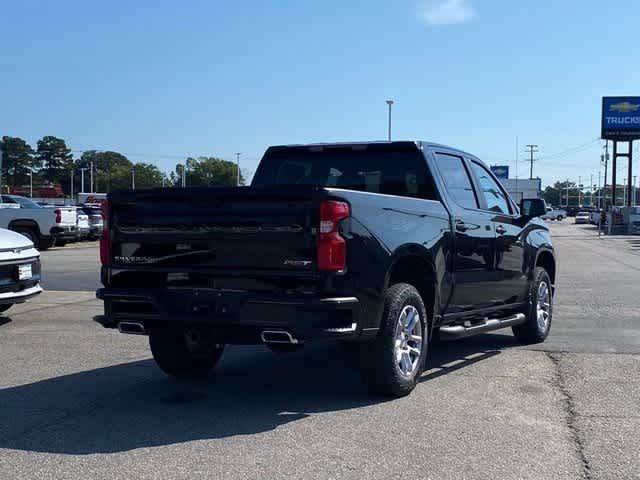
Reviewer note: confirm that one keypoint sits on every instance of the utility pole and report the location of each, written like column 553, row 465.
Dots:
column 591, row 189
column 635, row 201
column 238, row 168
column 606, row 164
column 1, row 154
column 71, row 174
column 92, row 184
column 133, row 178
column 30, row 182
column 531, row 150
column 389, row 102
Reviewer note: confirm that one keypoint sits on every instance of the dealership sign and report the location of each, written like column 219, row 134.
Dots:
column 500, row 171
column 620, row 118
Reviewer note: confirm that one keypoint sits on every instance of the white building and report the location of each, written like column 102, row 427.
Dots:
column 520, row 188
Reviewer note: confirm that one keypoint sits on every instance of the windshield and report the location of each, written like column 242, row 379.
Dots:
column 23, row 202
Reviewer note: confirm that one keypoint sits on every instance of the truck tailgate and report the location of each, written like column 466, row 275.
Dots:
column 68, row 216
column 258, row 229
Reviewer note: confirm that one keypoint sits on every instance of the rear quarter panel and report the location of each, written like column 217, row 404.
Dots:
column 385, row 228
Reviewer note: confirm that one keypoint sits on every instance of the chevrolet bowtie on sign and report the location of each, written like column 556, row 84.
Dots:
column 620, row 118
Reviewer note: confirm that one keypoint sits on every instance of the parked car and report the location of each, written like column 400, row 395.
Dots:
column 583, row 217
column 378, row 245
column 94, row 212
column 19, row 269
column 43, row 226
column 555, row 214
column 83, row 224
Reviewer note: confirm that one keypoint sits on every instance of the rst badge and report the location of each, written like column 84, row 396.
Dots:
column 298, row 263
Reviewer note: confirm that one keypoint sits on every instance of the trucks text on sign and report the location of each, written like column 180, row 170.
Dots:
column 620, row 118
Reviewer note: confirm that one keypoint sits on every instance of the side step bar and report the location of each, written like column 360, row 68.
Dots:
column 454, row 332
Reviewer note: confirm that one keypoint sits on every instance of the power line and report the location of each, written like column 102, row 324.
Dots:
column 570, row 150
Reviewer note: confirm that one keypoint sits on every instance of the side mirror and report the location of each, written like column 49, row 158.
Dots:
column 532, row 207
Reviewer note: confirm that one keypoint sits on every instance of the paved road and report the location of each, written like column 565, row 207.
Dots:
column 80, row 401
column 74, row 267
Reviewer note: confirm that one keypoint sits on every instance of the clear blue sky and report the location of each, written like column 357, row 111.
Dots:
column 218, row 77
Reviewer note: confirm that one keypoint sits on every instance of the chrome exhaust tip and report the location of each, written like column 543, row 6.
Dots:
column 278, row 336
column 132, row 328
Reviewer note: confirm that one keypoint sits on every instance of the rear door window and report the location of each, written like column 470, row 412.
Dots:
column 456, row 179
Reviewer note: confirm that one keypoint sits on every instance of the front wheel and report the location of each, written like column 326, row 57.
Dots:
column 184, row 352
column 560, row 217
column 392, row 363
column 540, row 311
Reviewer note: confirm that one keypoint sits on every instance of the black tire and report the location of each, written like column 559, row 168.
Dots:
column 31, row 234
column 45, row 244
column 178, row 355
column 381, row 371
column 60, row 243
column 533, row 331
column 282, row 348
column 560, row 217
column 5, row 306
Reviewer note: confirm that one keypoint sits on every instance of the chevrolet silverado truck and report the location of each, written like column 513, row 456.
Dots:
column 44, row 227
column 380, row 245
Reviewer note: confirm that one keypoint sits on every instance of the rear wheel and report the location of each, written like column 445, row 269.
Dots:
column 392, row 363
column 560, row 217
column 29, row 233
column 184, row 352
column 540, row 311
column 46, row 243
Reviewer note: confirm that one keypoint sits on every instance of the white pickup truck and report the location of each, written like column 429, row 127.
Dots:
column 43, row 226
column 555, row 214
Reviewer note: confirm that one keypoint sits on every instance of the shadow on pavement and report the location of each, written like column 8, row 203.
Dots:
column 133, row 405
column 4, row 320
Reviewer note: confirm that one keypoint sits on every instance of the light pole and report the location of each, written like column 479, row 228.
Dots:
column 30, row 182
column 92, row 184
column 579, row 191
column 82, row 178
column 389, row 102
column 634, row 190
column 238, row 168
column 71, row 175
column 133, row 178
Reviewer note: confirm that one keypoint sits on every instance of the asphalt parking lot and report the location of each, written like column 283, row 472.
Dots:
column 80, row 401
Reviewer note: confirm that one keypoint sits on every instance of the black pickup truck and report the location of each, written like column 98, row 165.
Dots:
column 381, row 245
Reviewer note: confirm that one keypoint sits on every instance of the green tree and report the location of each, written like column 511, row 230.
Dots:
column 110, row 169
column 210, row 171
column 18, row 160
column 147, row 175
column 56, row 160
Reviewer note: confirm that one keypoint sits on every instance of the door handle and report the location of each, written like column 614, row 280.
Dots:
column 461, row 226
column 500, row 230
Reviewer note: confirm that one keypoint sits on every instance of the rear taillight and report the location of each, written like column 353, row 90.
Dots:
column 105, row 240
column 58, row 214
column 332, row 248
